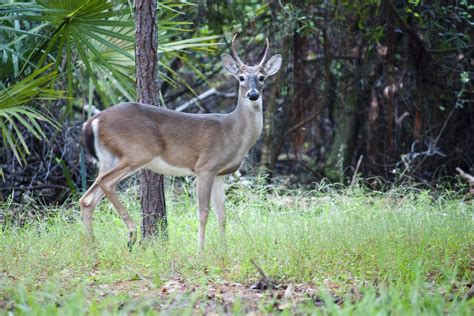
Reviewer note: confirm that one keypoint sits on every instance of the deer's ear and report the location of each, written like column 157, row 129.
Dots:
column 272, row 65
column 230, row 64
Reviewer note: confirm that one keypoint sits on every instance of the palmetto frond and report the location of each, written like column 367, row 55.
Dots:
column 16, row 109
column 95, row 39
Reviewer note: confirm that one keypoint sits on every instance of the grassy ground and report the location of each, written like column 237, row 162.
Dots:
column 333, row 252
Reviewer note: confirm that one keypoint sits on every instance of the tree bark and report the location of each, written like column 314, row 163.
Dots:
column 148, row 89
column 298, row 107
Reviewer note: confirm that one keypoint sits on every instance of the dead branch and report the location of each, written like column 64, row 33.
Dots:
column 35, row 187
column 302, row 123
column 202, row 96
column 265, row 282
column 354, row 176
column 469, row 178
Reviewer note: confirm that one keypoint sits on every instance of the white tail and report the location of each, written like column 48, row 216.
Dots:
column 130, row 136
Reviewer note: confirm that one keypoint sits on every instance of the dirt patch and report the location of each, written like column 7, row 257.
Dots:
column 214, row 296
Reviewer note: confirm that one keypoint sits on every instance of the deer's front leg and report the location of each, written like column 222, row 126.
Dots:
column 218, row 198
column 204, row 187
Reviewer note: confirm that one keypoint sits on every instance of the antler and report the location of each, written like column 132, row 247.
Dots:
column 265, row 54
column 239, row 61
column 234, row 51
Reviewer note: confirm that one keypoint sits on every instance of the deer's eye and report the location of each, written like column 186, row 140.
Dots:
column 241, row 78
column 261, row 78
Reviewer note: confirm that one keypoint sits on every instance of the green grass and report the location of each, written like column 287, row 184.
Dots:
column 342, row 252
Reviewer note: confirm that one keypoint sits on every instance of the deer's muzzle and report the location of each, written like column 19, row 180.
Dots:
column 253, row 95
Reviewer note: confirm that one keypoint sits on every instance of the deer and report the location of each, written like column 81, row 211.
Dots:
column 131, row 136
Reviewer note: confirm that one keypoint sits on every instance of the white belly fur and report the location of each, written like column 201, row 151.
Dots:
column 106, row 159
column 160, row 166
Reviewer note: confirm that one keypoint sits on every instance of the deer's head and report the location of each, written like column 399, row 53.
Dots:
column 251, row 78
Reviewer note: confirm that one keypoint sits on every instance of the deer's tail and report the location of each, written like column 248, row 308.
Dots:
column 88, row 138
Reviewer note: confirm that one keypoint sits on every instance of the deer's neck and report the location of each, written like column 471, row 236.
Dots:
column 248, row 118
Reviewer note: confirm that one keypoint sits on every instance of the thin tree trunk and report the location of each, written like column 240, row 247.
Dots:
column 265, row 158
column 266, row 165
column 391, row 42
column 148, row 87
column 298, row 107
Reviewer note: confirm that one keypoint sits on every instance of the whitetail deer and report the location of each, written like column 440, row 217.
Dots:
column 130, row 136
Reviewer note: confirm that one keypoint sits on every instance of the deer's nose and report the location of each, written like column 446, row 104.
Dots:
column 253, row 95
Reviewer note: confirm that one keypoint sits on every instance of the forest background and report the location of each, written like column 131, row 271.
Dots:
column 349, row 203
column 373, row 90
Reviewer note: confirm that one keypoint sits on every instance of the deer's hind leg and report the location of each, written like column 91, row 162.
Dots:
column 107, row 183
column 88, row 203
column 89, row 200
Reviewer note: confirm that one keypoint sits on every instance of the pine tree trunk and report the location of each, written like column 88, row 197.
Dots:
column 148, row 87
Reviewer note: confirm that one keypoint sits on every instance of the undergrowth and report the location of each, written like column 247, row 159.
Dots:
column 399, row 252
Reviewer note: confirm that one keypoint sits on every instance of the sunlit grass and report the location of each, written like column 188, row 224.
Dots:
column 399, row 251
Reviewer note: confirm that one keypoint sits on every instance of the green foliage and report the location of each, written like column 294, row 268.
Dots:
column 15, row 109
column 399, row 253
column 64, row 26
column 95, row 39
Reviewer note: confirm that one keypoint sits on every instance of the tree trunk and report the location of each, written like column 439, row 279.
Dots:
column 148, row 88
column 298, row 107
column 268, row 145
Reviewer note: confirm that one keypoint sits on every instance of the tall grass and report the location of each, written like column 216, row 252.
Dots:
column 400, row 251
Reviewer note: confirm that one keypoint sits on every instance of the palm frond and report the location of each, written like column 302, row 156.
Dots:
column 94, row 40
column 17, row 113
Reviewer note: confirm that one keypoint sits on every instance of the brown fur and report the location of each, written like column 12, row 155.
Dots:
column 140, row 132
column 130, row 136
